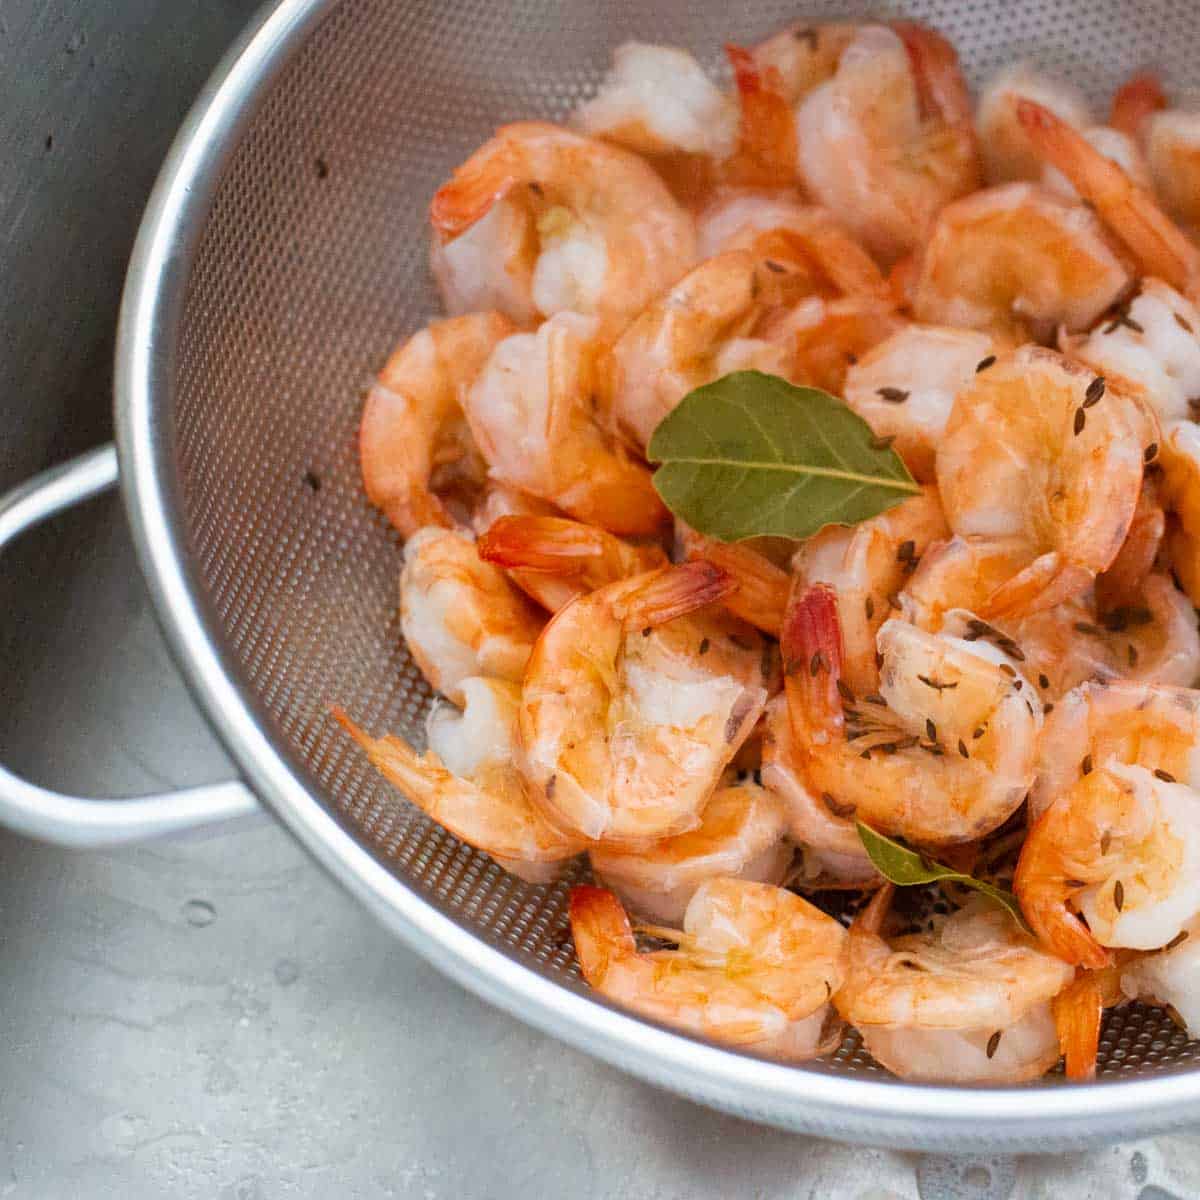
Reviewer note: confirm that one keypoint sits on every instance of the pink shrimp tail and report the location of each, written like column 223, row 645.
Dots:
column 468, row 196
column 1135, row 102
column 762, row 587
column 766, row 153
column 811, row 643
column 940, row 84
column 670, row 592
column 554, row 545
column 600, row 929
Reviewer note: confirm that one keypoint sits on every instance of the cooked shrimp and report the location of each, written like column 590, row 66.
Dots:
column 1155, row 727
column 634, row 702
column 1122, row 583
column 762, row 587
column 1134, row 103
column 740, row 835
column 657, row 100
column 467, row 782
column 553, row 559
column 1171, row 977
column 817, row 254
column 1007, row 153
column 1160, row 247
column 1121, row 848
column 904, row 387
column 1116, row 146
column 1041, row 454
column 755, row 965
column 866, row 565
column 968, row 1002
column 460, row 616
column 803, row 56
column 701, row 329
column 1017, row 259
column 586, row 227
column 1173, row 151
column 832, row 853
column 1152, row 345
column 944, row 752
column 1151, row 637
column 532, row 411
column 888, row 139
column 419, row 463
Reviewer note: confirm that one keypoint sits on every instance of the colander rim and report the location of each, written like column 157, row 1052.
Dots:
column 882, row 1111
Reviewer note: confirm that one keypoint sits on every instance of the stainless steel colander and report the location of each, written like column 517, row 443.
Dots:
column 282, row 255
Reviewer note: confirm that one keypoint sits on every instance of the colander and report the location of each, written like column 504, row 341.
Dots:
column 282, row 255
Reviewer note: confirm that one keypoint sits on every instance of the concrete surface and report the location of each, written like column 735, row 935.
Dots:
column 211, row 1018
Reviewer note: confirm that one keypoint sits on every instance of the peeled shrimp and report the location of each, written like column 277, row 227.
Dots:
column 904, row 387
column 460, row 616
column 1150, row 726
column 832, row 853
column 866, row 565
column 553, row 560
column 1040, row 454
column 888, row 139
column 1160, row 247
column 755, row 965
column 1015, row 260
column 658, row 100
column 701, row 329
column 944, row 752
column 532, row 410
column 1121, row 848
column 467, row 782
column 634, row 702
column 1007, row 152
column 579, row 225
column 740, row 835
column 1171, row 977
column 968, row 1002
column 419, row 463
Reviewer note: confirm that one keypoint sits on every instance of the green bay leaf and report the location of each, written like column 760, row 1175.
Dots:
column 907, row 868
column 751, row 455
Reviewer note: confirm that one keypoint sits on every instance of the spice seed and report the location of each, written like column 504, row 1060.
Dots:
column 962, row 748
column 772, row 265
column 984, row 363
column 704, row 645
column 1184, row 323
column 1165, row 776
column 869, row 607
column 1080, row 421
column 1043, row 680
column 892, row 395
column 1094, row 393
column 993, row 1043
column 1086, row 765
column 1105, row 842
column 979, row 732
column 931, row 729
column 1047, row 709
column 1150, row 453
column 1118, row 895
column 906, row 551
column 1132, row 655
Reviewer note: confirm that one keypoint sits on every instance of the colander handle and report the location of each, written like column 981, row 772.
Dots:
column 76, row 820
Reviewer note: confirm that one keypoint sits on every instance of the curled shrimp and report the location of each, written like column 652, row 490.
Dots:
column 762, row 587
column 634, row 702
column 1040, row 454
column 904, row 387
column 1007, row 153
column 1150, row 636
column 587, row 227
column 740, row 836
column 1151, row 726
column 532, row 410
column 888, row 139
column 466, row 781
column 460, row 616
column 1161, row 248
column 755, row 965
column 657, row 100
column 943, row 753
column 419, row 463
column 968, row 1002
column 832, row 853
column 1170, row 977
column 1121, row 848
column 553, row 559
column 1078, row 1014
column 1017, row 260
column 867, row 565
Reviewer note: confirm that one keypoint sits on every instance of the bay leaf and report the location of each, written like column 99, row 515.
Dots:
column 751, row 455
column 908, row 868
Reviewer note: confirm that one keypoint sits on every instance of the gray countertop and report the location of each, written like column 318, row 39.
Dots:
column 211, row 1017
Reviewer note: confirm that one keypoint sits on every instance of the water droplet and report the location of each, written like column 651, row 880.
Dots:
column 199, row 913
column 286, row 972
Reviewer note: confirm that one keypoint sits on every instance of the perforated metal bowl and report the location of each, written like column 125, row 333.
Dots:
column 282, row 256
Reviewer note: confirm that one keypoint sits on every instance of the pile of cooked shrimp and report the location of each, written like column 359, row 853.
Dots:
column 996, row 672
